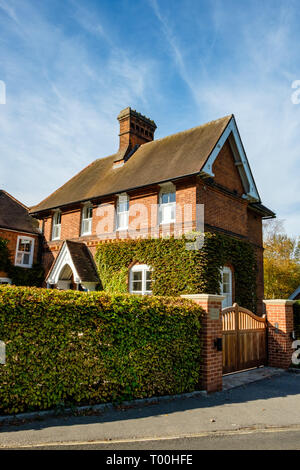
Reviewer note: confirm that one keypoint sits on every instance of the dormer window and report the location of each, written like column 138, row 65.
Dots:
column 56, row 225
column 167, row 204
column 86, row 220
column 122, row 212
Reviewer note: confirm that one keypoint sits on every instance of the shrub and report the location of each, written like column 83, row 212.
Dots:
column 69, row 348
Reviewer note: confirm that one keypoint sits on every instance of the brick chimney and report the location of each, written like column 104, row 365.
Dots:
column 135, row 129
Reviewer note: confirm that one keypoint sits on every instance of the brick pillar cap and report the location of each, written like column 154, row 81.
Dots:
column 279, row 302
column 207, row 297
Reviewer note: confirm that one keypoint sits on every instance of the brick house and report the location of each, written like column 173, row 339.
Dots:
column 21, row 231
column 204, row 165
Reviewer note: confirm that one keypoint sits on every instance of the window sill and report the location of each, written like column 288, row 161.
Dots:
column 28, row 266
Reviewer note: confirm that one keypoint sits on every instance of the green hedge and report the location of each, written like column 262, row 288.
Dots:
column 297, row 318
column 177, row 270
column 20, row 276
column 67, row 347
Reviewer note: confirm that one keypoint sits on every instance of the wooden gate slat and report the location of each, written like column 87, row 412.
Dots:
column 244, row 339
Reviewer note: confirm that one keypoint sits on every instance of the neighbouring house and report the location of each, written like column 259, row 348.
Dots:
column 21, row 232
column 295, row 295
column 203, row 165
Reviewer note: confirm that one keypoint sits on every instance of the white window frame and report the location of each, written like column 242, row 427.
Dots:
column 169, row 188
column 227, row 302
column 86, row 220
column 56, row 226
column 122, row 198
column 4, row 280
column 30, row 239
column 143, row 268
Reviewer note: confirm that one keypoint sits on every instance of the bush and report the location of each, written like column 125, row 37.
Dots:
column 69, row 348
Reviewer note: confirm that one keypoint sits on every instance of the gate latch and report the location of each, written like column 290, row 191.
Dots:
column 218, row 344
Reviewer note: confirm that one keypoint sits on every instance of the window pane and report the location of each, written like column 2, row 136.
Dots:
column 123, row 220
column 137, row 275
column 164, row 198
column 19, row 258
column 137, row 286
column 172, row 197
column 26, row 258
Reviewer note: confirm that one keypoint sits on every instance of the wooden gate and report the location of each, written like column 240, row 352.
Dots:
column 244, row 339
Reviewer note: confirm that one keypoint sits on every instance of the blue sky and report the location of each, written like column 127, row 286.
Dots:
column 70, row 66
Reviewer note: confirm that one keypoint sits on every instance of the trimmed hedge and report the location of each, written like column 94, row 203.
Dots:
column 177, row 270
column 68, row 347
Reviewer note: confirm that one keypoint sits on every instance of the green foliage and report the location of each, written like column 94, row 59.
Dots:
column 297, row 318
column 4, row 256
column 281, row 262
column 27, row 277
column 67, row 348
column 19, row 276
column 177, row 270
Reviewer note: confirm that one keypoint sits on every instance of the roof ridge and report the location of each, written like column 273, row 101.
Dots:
column 14, row 199
column 191, row 129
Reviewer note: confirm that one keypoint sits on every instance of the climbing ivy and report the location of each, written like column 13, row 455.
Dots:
column 177, row 270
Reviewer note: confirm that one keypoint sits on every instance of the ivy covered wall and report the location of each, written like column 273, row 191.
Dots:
column 177, row 270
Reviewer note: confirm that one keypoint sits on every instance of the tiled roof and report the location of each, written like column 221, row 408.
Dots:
column 175, row 156
column 14, row 215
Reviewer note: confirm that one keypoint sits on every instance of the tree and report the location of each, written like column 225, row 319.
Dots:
column 281, row 261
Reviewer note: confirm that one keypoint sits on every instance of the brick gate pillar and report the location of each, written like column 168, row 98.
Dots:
column 211, row 369
column 280, row 323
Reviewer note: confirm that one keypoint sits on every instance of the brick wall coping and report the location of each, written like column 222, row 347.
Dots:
column 206, row 297
column 279, row 302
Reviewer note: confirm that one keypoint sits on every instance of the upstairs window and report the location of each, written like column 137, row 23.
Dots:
column 167, row 205
column 122, row 212
column 86, row 221
column 56, row 226
column 24, row 252
column 141, row 280
column 226, row 286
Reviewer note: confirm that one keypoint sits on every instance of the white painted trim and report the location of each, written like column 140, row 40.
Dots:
column 85, row 206
column 206, row 297
column 29, row 265
column 63, row 258
column 240, row 157
column 120, row 197
column 144, row 268
column 279, row 302
column 226, row 269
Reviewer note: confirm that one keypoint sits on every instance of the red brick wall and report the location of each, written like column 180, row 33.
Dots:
column 211, row 370
column 226, row 172
column 280, row 326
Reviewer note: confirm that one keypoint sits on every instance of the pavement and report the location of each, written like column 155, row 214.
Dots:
column 271, row 404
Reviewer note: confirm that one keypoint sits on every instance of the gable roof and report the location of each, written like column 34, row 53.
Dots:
column 175, row 156
column 79, row 257
column 14, row 215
